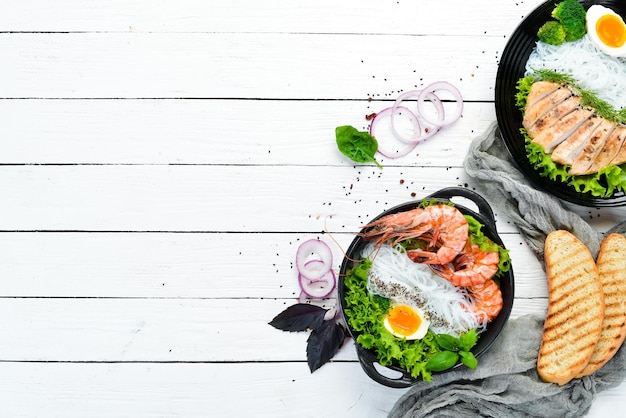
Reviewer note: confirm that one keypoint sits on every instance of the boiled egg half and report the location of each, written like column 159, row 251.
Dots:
column 406, row 321
column 607, row 30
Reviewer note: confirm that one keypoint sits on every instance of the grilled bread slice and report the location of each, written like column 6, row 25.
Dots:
column 575, row 309
column 611, row 265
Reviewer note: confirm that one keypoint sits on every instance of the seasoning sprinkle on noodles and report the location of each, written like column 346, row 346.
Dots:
column 393, row 275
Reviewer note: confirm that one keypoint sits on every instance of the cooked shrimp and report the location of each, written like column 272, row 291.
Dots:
column 397, row 226
column 487, row 299
column 443, row 227
column 471, row 268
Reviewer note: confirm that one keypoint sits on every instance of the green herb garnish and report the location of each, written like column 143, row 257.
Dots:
column 588, row 97
column 357, row 145
column 454, row 348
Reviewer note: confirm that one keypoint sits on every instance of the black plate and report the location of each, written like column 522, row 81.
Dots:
column 511, row 69
column 368, row 358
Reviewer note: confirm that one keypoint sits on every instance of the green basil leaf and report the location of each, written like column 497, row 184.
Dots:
column 467, row 358
column 468, row 340
column 448, row 342
column 356, row 145
column 442, row 361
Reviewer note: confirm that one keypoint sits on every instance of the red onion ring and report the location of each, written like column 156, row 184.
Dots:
column 414, row 120
column 426, row 94
column 428, row 132
column 309, row 267
column 318, row 289
column 314, row 268
column 302, row 298
column 331, row 314
column 430, row 89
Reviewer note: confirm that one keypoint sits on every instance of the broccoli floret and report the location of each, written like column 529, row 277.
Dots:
column 552, row 32
column 568, row 26
column 571, row 14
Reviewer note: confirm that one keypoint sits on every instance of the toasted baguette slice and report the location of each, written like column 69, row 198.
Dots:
column 575, row 309
column 611, row 265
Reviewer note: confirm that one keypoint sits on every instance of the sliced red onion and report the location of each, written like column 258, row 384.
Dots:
column 390, row 111
column 426, row 95
column 302, row 298
column 314, row 259
column 315, row 268
column 330, row 314
column 418, row 136
column 318, row 289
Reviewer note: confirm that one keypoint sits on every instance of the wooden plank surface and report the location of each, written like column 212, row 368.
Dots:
column 240, row 65
column 364, row 17
column 180, row 265
column 160, row 162
column 219, row 132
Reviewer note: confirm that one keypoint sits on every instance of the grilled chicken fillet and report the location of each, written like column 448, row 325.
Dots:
column 571, row 133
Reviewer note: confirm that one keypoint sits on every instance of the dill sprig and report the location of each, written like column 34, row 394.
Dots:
column 588, row 97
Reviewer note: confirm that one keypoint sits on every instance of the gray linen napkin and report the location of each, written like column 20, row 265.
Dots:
column 506, row 383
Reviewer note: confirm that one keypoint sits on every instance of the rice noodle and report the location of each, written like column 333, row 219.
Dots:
column 393, row 275
column 591, row 68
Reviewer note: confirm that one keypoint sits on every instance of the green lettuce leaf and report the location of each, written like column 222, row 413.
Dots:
column 604, row 183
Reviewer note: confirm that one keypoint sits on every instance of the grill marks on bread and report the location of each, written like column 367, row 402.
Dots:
column 572, row 133
column 575, row 309
column 586, row 321
column 611, row 265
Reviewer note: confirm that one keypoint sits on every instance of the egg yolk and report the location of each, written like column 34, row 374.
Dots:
column 403, row 320
column 611, row 31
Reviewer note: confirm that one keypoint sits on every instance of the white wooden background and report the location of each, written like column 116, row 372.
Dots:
column 160, row 162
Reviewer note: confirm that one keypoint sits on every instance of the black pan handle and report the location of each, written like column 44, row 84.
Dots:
column 483, row 206
column 367, row 361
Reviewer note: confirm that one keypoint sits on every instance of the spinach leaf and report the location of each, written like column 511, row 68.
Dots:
column 357, row 145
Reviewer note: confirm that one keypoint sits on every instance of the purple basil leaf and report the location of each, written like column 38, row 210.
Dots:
column 323, row 344
column 299, row 317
